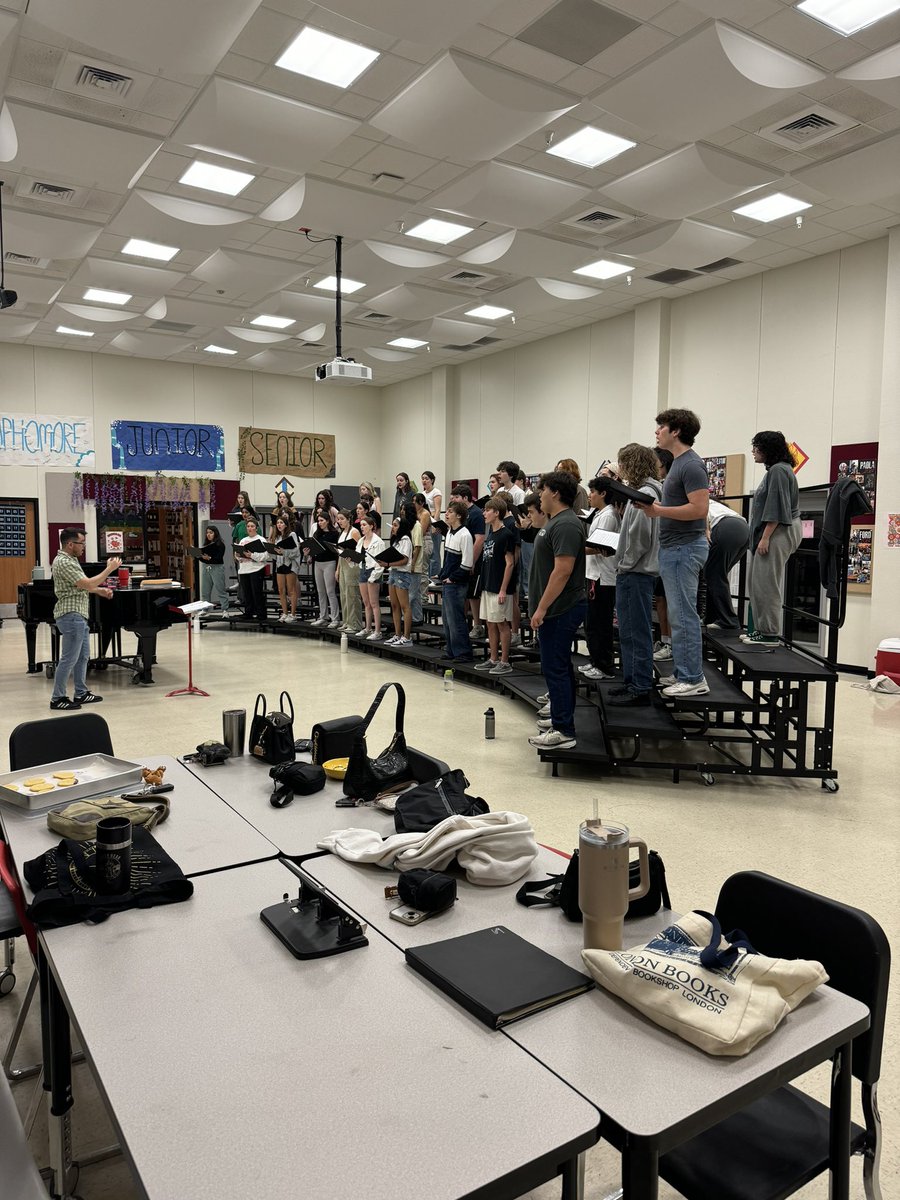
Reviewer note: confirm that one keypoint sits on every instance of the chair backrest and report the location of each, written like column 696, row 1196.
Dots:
column 9, row 882
column 424, row 766
column 55, row 738
column 786, row 921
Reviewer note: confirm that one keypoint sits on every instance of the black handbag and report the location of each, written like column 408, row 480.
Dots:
column 294, row 778
column 425, row 806
column 561, row 891
column 333, row 739
column 272, row 734
column 368, row 777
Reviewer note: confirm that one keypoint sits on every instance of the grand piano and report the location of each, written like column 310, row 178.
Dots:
column 141, row 611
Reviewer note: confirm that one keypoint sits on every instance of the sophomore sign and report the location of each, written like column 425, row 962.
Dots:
column 30, row 439
column 157, row 446
column 285, row 452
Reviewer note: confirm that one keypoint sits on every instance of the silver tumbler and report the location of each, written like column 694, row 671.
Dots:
column 234, row 725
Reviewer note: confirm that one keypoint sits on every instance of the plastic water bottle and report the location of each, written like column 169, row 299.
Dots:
column 489, row 724
column 448, row 680
column 345, row 644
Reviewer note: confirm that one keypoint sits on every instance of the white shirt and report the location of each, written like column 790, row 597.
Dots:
column 404, row 546
column 601, row 567
column 257, row 559
column 429, row 500
column 718, row 512
column 517, row 493
column 460, row 542
column 375, row 546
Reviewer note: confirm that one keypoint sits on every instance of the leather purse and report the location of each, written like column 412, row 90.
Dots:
column 272, row 734
column 366, row 777
column 333, row 739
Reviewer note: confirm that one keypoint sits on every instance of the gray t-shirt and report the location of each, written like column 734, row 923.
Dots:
column 688, row 474
column 562, row 537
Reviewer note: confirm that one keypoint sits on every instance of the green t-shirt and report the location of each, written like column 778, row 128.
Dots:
column 562, row 537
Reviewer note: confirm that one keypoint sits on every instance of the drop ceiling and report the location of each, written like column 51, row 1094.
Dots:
column 107, row 103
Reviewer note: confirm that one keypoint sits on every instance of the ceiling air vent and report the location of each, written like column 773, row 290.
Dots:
column 54, row 192
column 808, row 128
column 172, row 326
column 374, row 316
column 721, row 264
column 468, row 346
column 673, row 275
column 486, row 341
column 599, row 219
column 98, row 79
column 23, row 260
column 472, row 279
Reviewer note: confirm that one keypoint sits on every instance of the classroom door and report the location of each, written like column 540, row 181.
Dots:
column 18, row 545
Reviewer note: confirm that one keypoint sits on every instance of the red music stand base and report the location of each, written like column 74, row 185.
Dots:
column 190, row 690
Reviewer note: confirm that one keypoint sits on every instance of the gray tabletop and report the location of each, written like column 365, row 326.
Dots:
column 234, row 1070
column 244, row 784
column 596, row 1041
column 200, row 833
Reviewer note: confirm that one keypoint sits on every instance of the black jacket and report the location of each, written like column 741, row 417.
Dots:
column 846, row 500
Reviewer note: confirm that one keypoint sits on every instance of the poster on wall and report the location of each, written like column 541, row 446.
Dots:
column 285, row 451
column 163, row 446
column 34, row 440
column 726, row 475
column 859, row 559
column 115, row 541
column 799, row 457
column 473, row 484
column 859, row 461
column 893, row 531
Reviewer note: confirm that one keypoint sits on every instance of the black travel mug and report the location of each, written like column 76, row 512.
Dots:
column 113, row 865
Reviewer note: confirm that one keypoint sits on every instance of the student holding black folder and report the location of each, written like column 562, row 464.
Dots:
column 251, row 575
column 400, row 580
column 456, row 573
column 325, row 569
column 370, row 577
column 287, row 551
column 212, row 573
column 348, row 575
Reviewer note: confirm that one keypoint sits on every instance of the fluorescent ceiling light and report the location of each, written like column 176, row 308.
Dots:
column 273, row 322
column 218, row 350
column 323, row 56
column 106, row 297
column 216, row 179
column 604, row 269
column 772, row 208
column 408, row 343
column 848, row 16
column 589, row 147
column 434, row 230
column 141, row 249
column 490, row 312
column 329, row 284
column 74, row 332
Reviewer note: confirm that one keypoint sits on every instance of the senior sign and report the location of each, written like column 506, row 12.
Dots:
column 33, row 440
column 285, row 452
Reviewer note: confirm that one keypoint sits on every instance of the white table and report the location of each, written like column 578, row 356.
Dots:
column 232, row 1070
column 200, row 833
column 654, row 1090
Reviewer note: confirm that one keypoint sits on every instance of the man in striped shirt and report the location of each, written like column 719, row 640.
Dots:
column 71, row 613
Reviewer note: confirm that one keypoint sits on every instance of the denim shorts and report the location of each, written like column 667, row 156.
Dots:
column 366, row 574
column 400, row 579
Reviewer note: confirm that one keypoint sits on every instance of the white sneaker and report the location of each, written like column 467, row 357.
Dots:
column 545, row 699
column 291, row 620
column 664, row 652
column 667, row 680
column 552, row 739
column 334, row 625
column 362, row 633
column 595, row 673
column 544, row 723
column 392, row 641
column 544, row 711
column 584, row 668
column 478, row 631
column 515, row 639
column 375, row 637
column 681, row 690
column 403, row 641
column 320, row 623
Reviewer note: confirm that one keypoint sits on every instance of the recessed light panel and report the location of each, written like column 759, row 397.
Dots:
column 102, row 296
column 848, row 16
column 489, row 312
column 404, row 343
column 272, row 322
column 772, row 208
column 142, row 249
column 604, row 269
column 73, row 332
column 434, row 230
column 327, row 58
column 216, row 179
column 211, row 349
column 589, row 147
column 348, row 286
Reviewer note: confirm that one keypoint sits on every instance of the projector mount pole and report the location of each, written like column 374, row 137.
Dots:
column 338, row 262
column 2, row 251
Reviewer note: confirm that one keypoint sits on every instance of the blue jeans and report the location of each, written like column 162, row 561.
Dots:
column 74, row 654
column 680, row 568
column 415, row 597
column 634, row 608
column 434, row 564
column 555, row 639
column 453, row 611
column 527, row 552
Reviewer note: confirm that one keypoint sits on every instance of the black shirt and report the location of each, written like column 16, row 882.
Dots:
column 493, row 559
column 216, row 552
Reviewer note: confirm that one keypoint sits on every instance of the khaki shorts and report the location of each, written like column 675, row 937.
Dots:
column 492, row 610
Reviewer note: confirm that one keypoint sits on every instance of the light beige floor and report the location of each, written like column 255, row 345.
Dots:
column 846, row 845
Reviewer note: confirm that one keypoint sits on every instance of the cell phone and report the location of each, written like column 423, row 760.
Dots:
column 409, row 916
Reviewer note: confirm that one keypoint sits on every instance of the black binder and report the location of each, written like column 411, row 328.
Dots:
column 497, row 975
column 616, row 490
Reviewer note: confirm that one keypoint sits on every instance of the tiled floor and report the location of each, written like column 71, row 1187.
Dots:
column 846, row 845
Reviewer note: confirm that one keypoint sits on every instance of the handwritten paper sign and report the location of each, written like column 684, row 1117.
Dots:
column 285, row 451
column 34, row 440
column 157, row 446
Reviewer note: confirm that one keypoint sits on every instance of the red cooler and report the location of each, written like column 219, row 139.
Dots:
column 887, row 659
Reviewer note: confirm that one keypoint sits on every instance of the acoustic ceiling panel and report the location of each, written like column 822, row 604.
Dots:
column 682, row 244
column 244, row 122
column 34, row 289
column 305, row 307
column 200, row 314
column 327, row 207
column 879, row 75
column 466, row 109
column 445, row 331
column 522, row 253
column 715, row 77
column 687, row 181
column 262, row 337
column 100, row 316
column 413, row 302
column 507, row 195
column 126, row 277
column 47, row 237
column 284, row 363
column 61, row 149
column 377, row 272
column 174, row 221
column 429, row 22
column 859, row 176
column 15, row 327
column 148, row 345
column 167, row 36
column 246, row 274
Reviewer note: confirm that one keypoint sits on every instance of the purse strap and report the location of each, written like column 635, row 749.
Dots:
column 548, row 890
column 281, row 699
column 711, row 956
column 401, row 707
column 260, row 709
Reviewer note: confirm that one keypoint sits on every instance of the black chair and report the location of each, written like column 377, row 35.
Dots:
column 777, row 1144
column 55, row 738
column 424, row 766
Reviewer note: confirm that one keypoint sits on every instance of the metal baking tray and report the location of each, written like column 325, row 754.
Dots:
column 95, row 775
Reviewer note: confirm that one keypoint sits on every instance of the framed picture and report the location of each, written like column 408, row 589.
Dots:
column 859, row 560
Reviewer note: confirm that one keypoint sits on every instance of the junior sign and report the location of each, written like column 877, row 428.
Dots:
column 154, row 446
column 33, row 440
column 285, row 452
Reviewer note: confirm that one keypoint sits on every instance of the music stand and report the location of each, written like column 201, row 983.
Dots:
column 188, row 610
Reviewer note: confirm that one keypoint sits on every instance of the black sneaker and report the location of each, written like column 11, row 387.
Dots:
column 618, row 691
column 88, row 698
column 631, row 700
column 64, row 704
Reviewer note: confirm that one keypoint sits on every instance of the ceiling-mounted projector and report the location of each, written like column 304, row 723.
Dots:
column 8, row 297
column 343, row 370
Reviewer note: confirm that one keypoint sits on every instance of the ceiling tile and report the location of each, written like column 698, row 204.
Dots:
column 480, row 41
column 578, row 30
column 433, row 22
column 859, row 176
column 530, row 61
column 246, row 275
column 414, row 302
column 879, row 75
column 506, row 195
column 685, row 244
column 42, row 236
column 329, row 207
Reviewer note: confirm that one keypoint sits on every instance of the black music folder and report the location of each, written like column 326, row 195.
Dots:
column 497, row 975
column 321, row 551
column 389, row 556
column 257, row 546
column 349, row 551
column 441, row 526
column 615, row 489
column 195, row 551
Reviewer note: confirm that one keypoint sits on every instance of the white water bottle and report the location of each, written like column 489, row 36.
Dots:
column 345, row 644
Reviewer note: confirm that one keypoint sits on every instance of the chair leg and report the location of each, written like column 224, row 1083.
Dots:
column 872, row 1153
column 12, row 1044
column 34, row 1104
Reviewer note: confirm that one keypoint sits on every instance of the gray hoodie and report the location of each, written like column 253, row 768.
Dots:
column 639, row 536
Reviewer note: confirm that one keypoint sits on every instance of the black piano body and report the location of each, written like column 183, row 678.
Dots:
column 141, row 611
